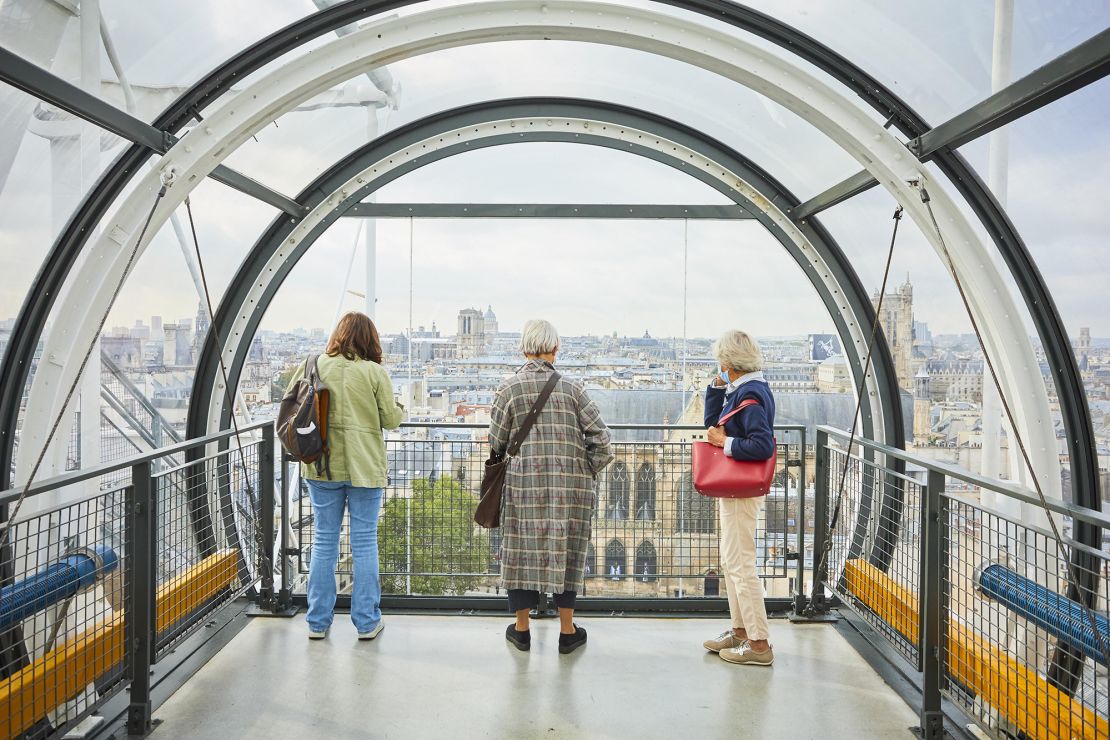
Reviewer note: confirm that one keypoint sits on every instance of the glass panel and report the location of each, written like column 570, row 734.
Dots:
column 1045, row 29
column 548, row 172
column 286, row 156
column 924, row 323
column 150, row 342
column 46, row 168
column 161, row 46
column 935, row 56
column 1055, row 198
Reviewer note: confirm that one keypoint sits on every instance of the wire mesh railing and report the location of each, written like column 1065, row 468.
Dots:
column 877, row 532
column 653, row 535
column 99, row 585
column 960, row 576
column 963, row 577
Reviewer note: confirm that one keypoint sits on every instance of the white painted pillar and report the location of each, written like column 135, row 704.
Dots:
column 370, row 232
column 997, row 180
column 89, row 429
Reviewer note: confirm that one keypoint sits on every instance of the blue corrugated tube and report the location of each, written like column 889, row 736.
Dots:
column 1058, row 615
column 78, row 570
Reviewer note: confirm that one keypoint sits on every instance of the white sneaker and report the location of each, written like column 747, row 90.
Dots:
column 372, row 633
column 745, row 655
column 723, row 641
column 314, row 635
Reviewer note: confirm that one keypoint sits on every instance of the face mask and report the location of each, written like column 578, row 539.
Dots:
column 724, row 377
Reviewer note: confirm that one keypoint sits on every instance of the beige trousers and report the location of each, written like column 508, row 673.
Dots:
column 745, row 591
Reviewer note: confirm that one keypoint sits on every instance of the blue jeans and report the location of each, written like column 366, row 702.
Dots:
column 329, row 498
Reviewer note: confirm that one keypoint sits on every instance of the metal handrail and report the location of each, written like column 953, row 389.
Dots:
column 78, row 476
column 616, row 427
column 1025, row 495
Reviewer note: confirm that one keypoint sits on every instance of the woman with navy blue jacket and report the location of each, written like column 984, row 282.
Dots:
column 748, row 435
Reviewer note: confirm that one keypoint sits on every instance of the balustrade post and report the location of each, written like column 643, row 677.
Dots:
column 266, row 597
column 141, row 586
column 821, row 534
column 933, row 603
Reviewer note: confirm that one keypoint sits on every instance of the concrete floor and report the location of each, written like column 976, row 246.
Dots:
column 435, row 676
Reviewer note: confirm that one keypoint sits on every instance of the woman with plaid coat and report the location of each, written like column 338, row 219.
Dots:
column 549, row 498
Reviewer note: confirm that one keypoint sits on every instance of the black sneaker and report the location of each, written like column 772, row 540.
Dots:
column 570, row 643
column 520, row 640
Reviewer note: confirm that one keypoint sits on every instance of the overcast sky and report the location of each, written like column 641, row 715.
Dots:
column 592, row 276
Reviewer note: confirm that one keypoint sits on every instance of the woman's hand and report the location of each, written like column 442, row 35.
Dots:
column 716, row 436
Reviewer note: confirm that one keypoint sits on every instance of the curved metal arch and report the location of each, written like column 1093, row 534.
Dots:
column 1074, row 409
column 831, row 274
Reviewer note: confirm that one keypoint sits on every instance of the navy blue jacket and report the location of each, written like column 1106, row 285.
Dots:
column 752, row 430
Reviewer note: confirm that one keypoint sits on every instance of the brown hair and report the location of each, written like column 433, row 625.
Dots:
column 355, row 336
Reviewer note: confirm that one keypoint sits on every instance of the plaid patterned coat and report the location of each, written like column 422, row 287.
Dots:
column 549, row 497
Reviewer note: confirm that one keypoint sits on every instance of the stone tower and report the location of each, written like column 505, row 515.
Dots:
column 1083, row 349
column 490, row 322
column 471, row 335
column 897, row 322
column 922, row 407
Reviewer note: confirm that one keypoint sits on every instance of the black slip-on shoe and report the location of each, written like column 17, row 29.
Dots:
column 520, row 640
column 570, row 643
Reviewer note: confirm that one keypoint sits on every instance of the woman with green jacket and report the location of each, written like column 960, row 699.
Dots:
column 362, row 405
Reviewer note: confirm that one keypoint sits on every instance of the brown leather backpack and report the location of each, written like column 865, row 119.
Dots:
column 302, row 423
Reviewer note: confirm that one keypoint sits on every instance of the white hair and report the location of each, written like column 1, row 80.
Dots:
column 738, row 351
column 539, row 337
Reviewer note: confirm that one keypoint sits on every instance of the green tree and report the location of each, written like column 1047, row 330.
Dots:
column 444, row 539
column 283, row 378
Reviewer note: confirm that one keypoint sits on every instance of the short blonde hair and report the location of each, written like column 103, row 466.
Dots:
column 538, row 337
column 738, row 351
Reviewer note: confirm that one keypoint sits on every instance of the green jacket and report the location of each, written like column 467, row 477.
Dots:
column 362, row 405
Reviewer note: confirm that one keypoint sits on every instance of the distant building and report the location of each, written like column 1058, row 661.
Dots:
column 471, row 335
column 490, row 320
column 955, row 379
column 126, row 352
column 201, row 334
column 896, row 318
column 1083, row 348
column 792, row 376
column 922, row 407
column 833, row 375
column 177, row 347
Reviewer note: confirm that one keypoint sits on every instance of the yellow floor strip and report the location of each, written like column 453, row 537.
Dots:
column 1017, row 692
column 65, row 671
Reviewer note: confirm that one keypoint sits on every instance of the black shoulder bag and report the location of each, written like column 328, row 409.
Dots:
column 488, row 513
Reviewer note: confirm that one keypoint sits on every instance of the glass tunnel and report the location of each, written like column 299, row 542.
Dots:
column 902, row 204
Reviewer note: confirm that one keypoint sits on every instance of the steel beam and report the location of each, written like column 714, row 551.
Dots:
column 36, row 81
column 842, row 191
column 546, row 210
column 1072, row 70
column 257, row 190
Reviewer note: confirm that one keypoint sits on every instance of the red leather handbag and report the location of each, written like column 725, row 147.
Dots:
column 718, row 475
